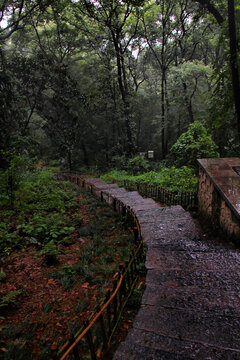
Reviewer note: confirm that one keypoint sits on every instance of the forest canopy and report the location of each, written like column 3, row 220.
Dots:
column 87, row 81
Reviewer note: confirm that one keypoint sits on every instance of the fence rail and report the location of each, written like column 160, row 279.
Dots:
column 184, row 198
column 99, row 329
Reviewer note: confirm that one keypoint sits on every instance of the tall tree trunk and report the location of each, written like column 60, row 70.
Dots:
column 167, row 126
column 190, row 111
column 233, row 59
column 163, row 55
column 188, row 104
column 212, row 9
column 124, row 94
column 163, row 114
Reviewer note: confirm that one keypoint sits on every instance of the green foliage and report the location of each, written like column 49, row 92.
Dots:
column 12, row 177
column 137, row 165
column 40, row 207
column 41, row 229
column 40, row 192
column 8, row 239
column 119, row 162
column 50, row 252
column 195, row 143
column 66, row 275
column 193, row 79
column 172, row 178
column 233, row 148
column 10, row 298
column 54, row 99
column 2, row 275
column 134, row 166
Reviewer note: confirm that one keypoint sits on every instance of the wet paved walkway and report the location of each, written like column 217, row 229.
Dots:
column 191, row 305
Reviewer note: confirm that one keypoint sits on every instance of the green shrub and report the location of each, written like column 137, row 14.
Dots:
column 50, row 252
column 195, row 143
column 45, row 228
column 137, row 165
column 41, row 192
column 172, row 178
column 119, row 162
column 40, row 207
column 11, row 179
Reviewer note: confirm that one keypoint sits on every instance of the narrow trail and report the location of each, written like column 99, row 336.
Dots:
column 191, row 305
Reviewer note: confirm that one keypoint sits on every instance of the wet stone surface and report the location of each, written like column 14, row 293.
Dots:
column 191, row 305
column 144, row 345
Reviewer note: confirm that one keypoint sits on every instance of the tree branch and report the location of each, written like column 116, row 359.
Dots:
column 212, row 9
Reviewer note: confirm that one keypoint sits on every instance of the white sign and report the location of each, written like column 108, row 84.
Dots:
column 150, row 154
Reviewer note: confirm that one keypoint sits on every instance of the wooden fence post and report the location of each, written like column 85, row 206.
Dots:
column 135, row 232
column 75, row 349
column 115, row 303
column 103, row 328
column 123, row 285
column 127, row 273
column 90, row 341
column 109, row 313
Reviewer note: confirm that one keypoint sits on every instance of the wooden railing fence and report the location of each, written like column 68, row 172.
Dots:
column 185, row 198
column 98, row 330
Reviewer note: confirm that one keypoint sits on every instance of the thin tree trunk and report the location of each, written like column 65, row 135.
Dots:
column 188, row 104
column 124, row 94
column 163, row 115
column 168, row 131
column 233, row 59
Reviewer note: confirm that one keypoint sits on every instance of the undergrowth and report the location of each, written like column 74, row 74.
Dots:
column 174, row 179
column 37, row 214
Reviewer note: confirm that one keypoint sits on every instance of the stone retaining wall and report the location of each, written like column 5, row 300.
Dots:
column 213, row 207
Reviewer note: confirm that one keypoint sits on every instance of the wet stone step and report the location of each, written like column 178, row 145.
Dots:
column 117, row 191
column 171, row 229
column 109, row 187
column 146, row 206
column 222, row 279
column 94, row 181
column 194, row 298
column 196, row 261
column 182, row 244
column 167, row 213
column 212, row 329
column 147, row 345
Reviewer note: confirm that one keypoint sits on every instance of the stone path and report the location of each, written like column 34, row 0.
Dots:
column 191, row 305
